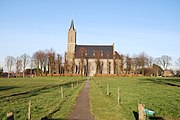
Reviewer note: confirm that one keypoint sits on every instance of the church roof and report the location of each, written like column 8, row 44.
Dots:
column 94, row 51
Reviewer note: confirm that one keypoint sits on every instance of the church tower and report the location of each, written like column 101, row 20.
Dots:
column 71, row 42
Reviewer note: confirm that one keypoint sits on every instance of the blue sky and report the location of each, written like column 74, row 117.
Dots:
column 150, row 26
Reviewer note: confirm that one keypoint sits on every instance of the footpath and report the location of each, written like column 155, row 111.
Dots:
column 81, row 110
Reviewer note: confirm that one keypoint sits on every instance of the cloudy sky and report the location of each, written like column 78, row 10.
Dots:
column 150, row 26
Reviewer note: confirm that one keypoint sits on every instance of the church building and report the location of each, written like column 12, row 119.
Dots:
column 90, row 60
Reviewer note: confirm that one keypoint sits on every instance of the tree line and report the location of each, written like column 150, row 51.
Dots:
column 42, row 61
column 124, row 64
column 45, row 62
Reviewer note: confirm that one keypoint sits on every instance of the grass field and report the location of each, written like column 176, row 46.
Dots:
column 159, row 94
column 43, row 92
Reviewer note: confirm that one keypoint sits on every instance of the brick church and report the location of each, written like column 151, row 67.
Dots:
column 90, row 60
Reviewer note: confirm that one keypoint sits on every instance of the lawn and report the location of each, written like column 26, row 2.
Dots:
column 44, row 93
column 159, row 94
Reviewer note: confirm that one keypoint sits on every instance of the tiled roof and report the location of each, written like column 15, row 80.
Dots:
column 94, row 51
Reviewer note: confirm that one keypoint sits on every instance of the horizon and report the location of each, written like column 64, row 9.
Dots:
column 152, row 27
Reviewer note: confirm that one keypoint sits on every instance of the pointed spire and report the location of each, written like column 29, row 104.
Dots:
column 72, row 25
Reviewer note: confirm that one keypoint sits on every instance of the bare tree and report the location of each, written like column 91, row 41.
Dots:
column 178, row 63
column 45, row 62
column 115, row 66
column 88, row 65
column 51, row 61
column 98, row 62
column 82, row 55
column 73, row 64
column 142, row 61
column 10, row 60
column 65, row 64
column 35, row 58
column 117, row 63
column 41, row 59
column 165, row 61
column 128, row 64
column 31, row 65
column 59, row 61
column 18, row 65
column 122, row 63
column 157, row 62
column 150, row 61
column 108, row 65
column 25, row 60
column 133, row 65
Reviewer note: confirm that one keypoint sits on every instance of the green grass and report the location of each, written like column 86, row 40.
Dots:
column 159, row 94
column 44, row 94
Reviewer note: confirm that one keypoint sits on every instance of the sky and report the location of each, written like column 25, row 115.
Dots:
column 135, row 26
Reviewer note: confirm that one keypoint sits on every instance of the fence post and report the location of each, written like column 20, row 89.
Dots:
column 107, row 89
column 118, row 96
column 10, row 115
column 29, row 110
column 141, row 111
column 62, row 96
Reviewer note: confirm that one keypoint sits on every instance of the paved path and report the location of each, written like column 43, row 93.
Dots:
column 82, row 109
